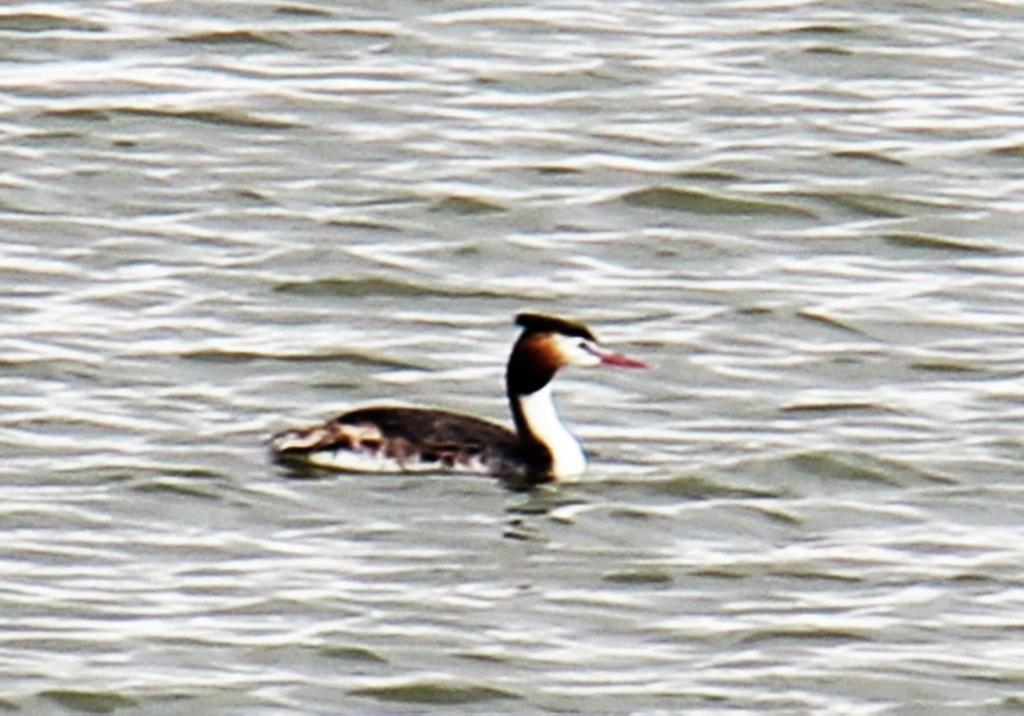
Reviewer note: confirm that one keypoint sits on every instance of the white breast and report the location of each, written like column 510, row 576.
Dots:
column 541, row 414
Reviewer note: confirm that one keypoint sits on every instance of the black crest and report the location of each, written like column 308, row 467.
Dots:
column 540, row 323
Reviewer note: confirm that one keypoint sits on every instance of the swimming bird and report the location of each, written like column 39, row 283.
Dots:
column 402, row 439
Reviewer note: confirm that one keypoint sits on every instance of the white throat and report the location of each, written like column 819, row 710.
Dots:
column 545, row 424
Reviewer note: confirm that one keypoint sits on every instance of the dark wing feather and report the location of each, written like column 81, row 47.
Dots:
column 431, row 436
column 434, row 429
column 446, row 437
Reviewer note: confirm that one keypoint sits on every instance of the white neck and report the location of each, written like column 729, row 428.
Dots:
column 541, row 416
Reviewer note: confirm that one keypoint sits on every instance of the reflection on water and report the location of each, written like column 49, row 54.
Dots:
column 223, row 219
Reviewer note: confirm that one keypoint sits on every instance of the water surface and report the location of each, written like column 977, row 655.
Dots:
column 220, row 220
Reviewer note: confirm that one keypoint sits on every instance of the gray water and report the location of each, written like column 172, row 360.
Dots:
column 223, row 219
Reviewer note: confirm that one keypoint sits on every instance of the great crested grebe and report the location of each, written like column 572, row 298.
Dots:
column 398, row 439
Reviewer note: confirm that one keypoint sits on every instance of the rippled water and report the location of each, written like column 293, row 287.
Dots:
column 222, row 219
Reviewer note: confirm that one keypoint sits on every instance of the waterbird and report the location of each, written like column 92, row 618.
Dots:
column 404, row 439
